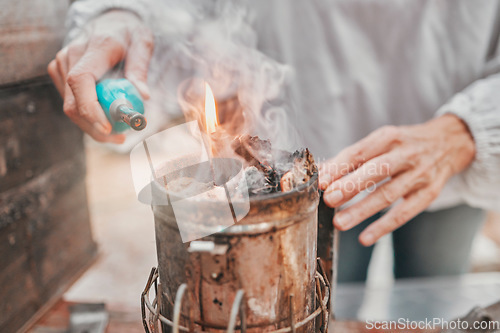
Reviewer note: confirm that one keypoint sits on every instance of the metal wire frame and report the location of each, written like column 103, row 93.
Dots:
column 322, row 296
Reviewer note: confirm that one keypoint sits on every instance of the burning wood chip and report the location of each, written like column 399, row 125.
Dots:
column 255, row 151
column 273, row 171
column 302, row 170
column 287, row 182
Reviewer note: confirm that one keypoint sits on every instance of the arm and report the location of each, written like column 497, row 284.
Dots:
column 83, row 11
column 479, row 107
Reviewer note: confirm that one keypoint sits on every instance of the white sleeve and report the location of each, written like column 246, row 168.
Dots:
column 479, row 107
column 83, row 11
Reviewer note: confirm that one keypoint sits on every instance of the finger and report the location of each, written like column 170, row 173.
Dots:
column 74, row 54
column 100, row 137
column 411, row 206
column 88, row 107
column 59, row 67
column 137, row 62
column 69, row 106
column 368, row 175
column 101, row 55
column 56, row 77
column 384, row 196
column 62, row 63
column 352, row 157
column 70, row 109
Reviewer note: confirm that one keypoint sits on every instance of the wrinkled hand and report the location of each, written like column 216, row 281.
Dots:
column 108, row 39
column 416, row 160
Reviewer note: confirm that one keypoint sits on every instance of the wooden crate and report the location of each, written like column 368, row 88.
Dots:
column 45, row 236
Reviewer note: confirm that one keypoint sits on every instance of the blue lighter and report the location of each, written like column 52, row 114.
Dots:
column 122, row 104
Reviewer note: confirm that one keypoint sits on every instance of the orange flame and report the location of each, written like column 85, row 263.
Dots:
column 210, row 110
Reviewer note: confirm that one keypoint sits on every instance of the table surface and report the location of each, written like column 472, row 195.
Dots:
column 57, row 319
column 418, row 299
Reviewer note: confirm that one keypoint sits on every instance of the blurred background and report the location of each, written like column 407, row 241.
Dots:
column 72, row 230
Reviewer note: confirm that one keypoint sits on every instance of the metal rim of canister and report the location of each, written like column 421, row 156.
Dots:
column 257, row 198
column 250, row 229
column 258, row 228
column 322, row 298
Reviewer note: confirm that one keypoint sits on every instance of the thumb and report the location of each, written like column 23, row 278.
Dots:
column 137, row 61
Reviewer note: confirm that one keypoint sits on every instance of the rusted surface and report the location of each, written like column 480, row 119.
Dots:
column 34, row 132
column 268, row 266
column 45, row 236
column 43, row 249
column 151, row 316
column 325, row 238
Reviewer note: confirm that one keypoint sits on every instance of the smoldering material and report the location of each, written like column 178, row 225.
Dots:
column 269, row 170
column 264, row 171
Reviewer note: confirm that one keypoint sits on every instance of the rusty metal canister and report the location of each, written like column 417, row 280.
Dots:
column 270, row 254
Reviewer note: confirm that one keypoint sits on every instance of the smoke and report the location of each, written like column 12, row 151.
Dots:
column 214, row 41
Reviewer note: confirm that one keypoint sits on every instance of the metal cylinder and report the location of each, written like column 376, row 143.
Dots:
column 270, row 254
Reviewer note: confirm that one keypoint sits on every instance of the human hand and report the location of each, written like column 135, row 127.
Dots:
column 112, row 37
column 417, row 161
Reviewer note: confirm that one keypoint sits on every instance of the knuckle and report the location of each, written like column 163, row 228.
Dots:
column 358, row 158
column 106, row 40
column 149, row 39
column 148, row 43
column 52, row 68
column 410, row 159
column 384, row 130
column 74, row 77
column 74, row 50
column 146, row 37
column 70, row 110
column 388, row 195
column 98, row 137
column 406, row 187
column 61, row 55
column 399, row 220
column 356, row 155
column 420, row 181
column 433, row 192
column 391, row 132
column 384, row 167
column 85, row 111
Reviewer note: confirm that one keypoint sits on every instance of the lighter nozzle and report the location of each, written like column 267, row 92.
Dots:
column 134, row 119
column 137, row 122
